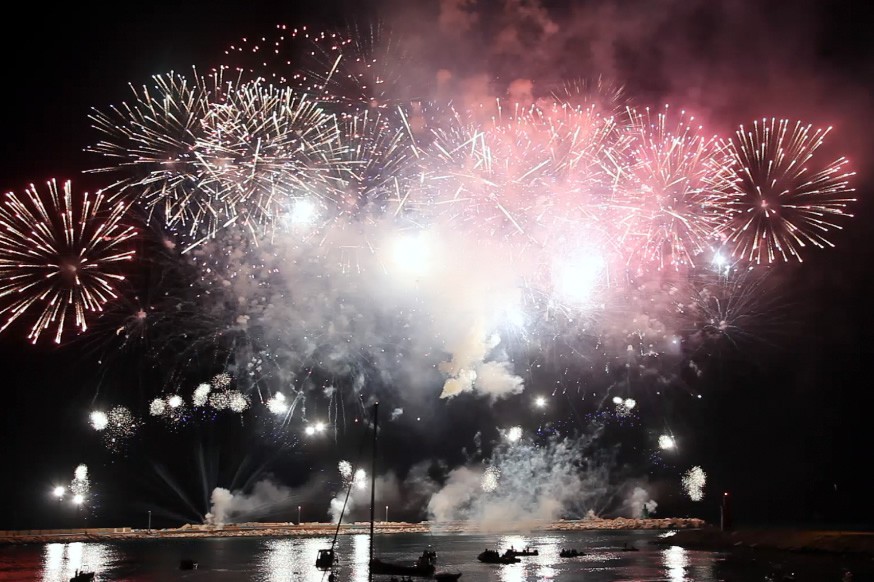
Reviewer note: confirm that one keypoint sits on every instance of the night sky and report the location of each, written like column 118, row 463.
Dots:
column 783, row 424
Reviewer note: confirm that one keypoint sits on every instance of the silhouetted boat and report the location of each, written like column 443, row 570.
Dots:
column 379, row 567
column 82, row 576
column 426, row 564
column 525, row 552
column 493, row 557
column 572, row 553
column 325, row 560
column 187, row 565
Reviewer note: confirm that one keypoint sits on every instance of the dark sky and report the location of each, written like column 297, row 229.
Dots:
column 786, row 428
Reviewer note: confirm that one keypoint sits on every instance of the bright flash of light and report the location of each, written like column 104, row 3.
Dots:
column 277, row 404
column 630, row 403
column 693, row 483
column 78, row 499
column 310, row 430
column 617, row 400
column 99, row 420
column 490, row 479
column 412, row 253
column 157, row 407
column 667, row 442
column 201, row 394
column 514, row 434
column 303, row 212
column 237, row 401
column 174, row 401
column 360, row 479
column 576, row 280
column 319, row 427
column 59, row 491
column 540, row 402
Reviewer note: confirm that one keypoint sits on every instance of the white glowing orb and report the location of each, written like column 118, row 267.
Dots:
column 319, row 427
column 360, row 479
column 59, row 491
column 237, row 401
column 667, row 442
column 157, row 407
column 201, row 393
column 490, row 480
column 412, row 253
column 303, row 212
column 310, row 430
column 617, row 400
column 693, row 483
column 514, row 434
column 277, row 404
column 81, row 473
column 99, row 420
column 540, row 402
column 78, row 500
column 175, row 401
column 630, row 403
column 576, row 280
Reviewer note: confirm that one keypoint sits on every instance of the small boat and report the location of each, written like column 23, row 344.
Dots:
column 571, row 553
column 447, row 576
column 325, row 560
column 188, row 564
column 493, row 557
column 379, row 567
column 525, row 552
column 82, row 577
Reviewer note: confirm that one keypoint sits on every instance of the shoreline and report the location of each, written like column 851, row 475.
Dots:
column 780, row 539
column 189, row 531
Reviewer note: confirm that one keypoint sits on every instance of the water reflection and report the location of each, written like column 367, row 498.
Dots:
column 676, row 561
column 293, row 559
column 61, row 561
column 361, row 557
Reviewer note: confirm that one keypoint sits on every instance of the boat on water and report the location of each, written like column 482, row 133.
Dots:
column 325, row 559
column 526, row 552
column 493, row 557
column 82, row 576
column 425, row 566
column 571, row 553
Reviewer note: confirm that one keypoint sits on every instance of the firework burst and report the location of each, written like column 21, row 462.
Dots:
column 781, row 194
column 668, row 210
column 60, row 255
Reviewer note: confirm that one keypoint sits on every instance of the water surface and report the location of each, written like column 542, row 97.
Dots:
column 292, row 559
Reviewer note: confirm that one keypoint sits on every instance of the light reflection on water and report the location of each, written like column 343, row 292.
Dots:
column 293, row 559
column 675, row 561
column 62, row 561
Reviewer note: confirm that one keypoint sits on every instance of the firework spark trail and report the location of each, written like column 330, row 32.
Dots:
column 781, row 196
column 341, row 234
column 60, row 255
column 669, row 213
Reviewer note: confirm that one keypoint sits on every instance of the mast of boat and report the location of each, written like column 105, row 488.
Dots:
column 373, row 489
